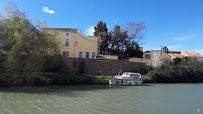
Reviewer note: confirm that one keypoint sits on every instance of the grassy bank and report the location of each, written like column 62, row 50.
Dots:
column 7, row 80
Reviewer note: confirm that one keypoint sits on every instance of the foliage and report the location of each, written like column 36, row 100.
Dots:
column 58, row 79
column 55, row 64
column 2, row 67
column 102, row 32
column 28, row 45
column 82, row 65
column 121, row 41
column 132, row 52
column 187, row 71
column 177, row 60
column 9, row 80
column 165, row 49
column 119, row 38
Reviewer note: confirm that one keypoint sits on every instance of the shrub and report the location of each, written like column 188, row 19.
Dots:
column 178, row 73
column 82, row 65
column 2, row 67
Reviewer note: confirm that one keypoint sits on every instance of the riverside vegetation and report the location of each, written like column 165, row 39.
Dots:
column 185, row 70
column 33, row 58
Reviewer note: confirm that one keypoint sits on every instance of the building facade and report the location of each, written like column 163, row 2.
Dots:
column 157, row 57
column 153, row 58
column 74, row 44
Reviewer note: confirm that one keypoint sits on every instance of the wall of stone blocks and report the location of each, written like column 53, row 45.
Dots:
column 104, row 66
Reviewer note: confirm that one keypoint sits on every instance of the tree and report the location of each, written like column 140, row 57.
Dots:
column 119, row 38
column 135, row 32
column 165, row 49
column 177, row 60
column 132, row 52
column 102, row 32
column 28, row 45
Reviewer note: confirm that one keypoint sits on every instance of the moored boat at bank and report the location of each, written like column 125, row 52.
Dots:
column 127, row 78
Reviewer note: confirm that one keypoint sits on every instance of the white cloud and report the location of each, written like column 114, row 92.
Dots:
column 184, row 38
column 107, row 26
column 46, row 10
column 115, row 21
column 90, row 31
column 174, row 47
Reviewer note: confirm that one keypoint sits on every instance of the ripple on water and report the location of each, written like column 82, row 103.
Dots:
column 158, row 98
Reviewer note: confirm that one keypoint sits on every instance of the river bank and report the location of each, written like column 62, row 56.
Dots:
column 7, row 80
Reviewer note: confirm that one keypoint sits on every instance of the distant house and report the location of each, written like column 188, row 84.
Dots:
column 157, row 57
column 175, row 54
column 200, row 59
column 75, row 44
column 181, row 54
column 153, row 58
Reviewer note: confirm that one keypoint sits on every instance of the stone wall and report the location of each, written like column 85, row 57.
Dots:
column 104, row 66
column 113, row 57
column 141, row 60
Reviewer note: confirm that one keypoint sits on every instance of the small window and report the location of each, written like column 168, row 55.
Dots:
column 80, row 54
column 87, row 54
column 67, row 34
column 93, row 54
column 66, row 53
column 147, row 56
column 66, row 42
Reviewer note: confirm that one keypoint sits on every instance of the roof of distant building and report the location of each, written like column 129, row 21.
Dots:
column 63, row 29
column 182, row 54
column 176, row 55
column 191, row 54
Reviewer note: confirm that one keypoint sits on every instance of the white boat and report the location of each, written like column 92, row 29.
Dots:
column 127, row 78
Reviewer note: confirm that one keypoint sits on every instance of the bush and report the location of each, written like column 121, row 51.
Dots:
column 82, row 66
column 2, row 67
column 39, row 81
column 179, row 73
column 55, row 64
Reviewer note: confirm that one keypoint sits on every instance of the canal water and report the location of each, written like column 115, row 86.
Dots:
column 100, row 99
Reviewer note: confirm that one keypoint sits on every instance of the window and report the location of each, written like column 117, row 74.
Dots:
column 66, row 53
column 66, row 42
column 87, row 54
column 67, row 34
column 93, row 54
column 147, row 56
column 80, row 54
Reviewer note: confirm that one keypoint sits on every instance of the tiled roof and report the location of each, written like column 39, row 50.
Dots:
column 176, row 55
column 184, row 53
column 62, row 29
column 147, row 52
column 173, row 51
column 191, row 54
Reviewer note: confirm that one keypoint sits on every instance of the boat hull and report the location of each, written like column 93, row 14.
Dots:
column 114, row 81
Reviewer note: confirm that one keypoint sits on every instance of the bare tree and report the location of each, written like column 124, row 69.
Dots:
column 135, row 32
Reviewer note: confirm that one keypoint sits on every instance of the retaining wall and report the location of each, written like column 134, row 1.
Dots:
column 104, row 66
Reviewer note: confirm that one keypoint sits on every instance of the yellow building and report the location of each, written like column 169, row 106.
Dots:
column 74, row 44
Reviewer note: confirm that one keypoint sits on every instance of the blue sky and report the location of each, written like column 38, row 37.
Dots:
column 177, row 24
